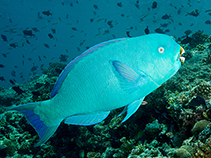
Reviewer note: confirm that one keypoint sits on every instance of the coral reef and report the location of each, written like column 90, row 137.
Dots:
column 201, row 150
column 199, row 126
column 181, row 153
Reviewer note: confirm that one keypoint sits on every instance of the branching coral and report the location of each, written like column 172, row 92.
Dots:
column 200, row 47
column 203, row 89
column 202, row 150
column 189, row 118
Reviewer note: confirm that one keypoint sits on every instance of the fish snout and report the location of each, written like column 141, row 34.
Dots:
column 182, row 59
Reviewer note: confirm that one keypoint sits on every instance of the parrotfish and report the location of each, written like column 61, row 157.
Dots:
column 113, row 74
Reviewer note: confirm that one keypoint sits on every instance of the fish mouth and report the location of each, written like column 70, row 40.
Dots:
column 182, row 59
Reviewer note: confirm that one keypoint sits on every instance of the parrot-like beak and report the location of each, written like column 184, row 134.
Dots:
column 182, row 59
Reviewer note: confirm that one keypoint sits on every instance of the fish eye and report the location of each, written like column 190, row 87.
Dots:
column 161, row 50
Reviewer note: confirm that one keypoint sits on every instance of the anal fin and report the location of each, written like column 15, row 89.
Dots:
column 87, row 119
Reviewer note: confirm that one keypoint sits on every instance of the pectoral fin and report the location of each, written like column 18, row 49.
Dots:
column 129, row 79
column 88, row 119
column 132, row 108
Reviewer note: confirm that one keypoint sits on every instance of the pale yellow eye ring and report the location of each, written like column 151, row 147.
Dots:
column 161, row 50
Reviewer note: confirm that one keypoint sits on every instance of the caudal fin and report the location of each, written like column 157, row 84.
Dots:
column 44, row 131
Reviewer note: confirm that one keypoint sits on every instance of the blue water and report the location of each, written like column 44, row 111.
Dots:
column 75, row 32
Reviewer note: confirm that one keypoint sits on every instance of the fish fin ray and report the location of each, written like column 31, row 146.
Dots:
column 123, row 111
column 44, row 131
column 130, row 80
column 87, row 119
column 132, row 108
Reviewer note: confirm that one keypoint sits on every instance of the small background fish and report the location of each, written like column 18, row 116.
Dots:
column 32, row 36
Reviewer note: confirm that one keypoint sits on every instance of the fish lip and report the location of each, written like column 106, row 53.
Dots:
column 182, row 59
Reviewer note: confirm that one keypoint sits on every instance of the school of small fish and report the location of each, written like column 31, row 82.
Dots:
column 46, row 35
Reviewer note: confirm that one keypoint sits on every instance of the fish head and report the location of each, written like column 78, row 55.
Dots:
column 164, row 57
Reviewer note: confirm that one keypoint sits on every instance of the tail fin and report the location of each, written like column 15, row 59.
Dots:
column 44, row 131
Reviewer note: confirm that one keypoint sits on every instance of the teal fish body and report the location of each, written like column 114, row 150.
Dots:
column 113, row 74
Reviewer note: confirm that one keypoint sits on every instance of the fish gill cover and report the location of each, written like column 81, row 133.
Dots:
column 36, row 35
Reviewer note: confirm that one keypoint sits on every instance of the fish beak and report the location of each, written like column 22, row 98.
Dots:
column 182, row 59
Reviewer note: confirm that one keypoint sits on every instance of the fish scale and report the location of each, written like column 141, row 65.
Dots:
column 113, row 74
column 94, row 81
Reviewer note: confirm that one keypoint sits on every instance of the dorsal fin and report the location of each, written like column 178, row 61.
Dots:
column 69, row 67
